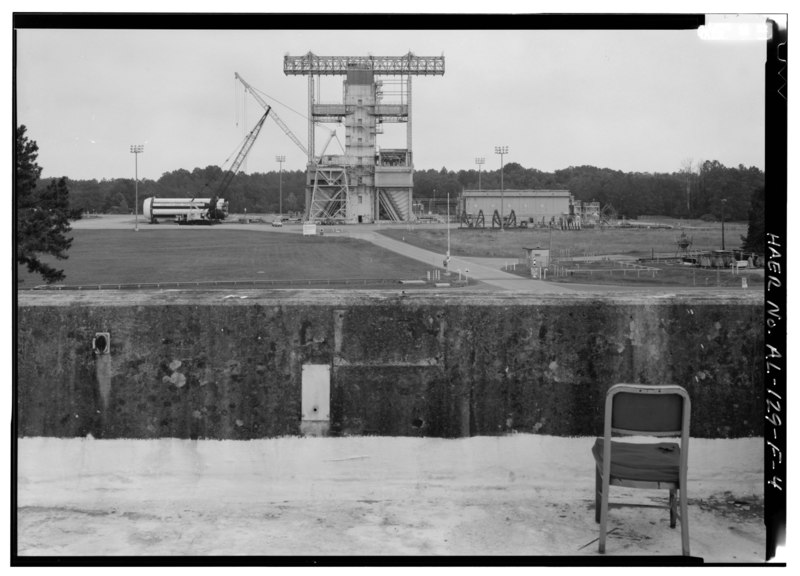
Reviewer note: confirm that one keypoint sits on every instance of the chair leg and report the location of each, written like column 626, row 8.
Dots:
column 684, row 521
column 597, row 489
column 603, row 514
column 672, row 508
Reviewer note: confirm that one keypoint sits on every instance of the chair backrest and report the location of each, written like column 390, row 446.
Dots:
column 638, row 409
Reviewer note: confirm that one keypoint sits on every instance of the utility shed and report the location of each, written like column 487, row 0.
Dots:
column 537, row 257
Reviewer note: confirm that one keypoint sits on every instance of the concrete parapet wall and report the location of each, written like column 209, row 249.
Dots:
column 229, row 366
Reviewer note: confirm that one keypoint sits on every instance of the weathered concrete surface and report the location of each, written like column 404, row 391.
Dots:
column 221, row 365
column 525, row 495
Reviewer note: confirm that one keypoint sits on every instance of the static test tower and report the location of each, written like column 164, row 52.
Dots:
column 367, row 183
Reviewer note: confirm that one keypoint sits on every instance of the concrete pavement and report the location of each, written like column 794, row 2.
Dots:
column 471, row 267
column 522, row 495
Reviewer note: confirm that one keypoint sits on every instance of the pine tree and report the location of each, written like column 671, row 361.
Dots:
column 42, row 215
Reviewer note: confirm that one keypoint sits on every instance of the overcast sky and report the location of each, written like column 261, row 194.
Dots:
column 628, row 100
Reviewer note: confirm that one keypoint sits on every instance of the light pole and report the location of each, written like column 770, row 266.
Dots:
column 502, row 150
column 479, row 162
column 280, row 160
column 137, row 149
column 447, row 262
column 724, row 200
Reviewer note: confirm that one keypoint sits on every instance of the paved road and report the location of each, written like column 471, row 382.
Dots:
column 475, row 270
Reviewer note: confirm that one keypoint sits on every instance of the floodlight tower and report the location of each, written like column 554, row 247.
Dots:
column 366, row 183
column 502, row 151
column 722, row 213
column 479, row 162
column 139, row 149
column 280, row 160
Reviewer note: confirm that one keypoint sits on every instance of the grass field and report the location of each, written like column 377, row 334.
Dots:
column 639, row 242
column 570, row 245
column 211, row 254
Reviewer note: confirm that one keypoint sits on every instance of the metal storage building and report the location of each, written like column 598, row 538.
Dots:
column 526, row 204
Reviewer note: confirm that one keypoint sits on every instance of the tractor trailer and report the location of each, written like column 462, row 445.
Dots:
column 185, row 210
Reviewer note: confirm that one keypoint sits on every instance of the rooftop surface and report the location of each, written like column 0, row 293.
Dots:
column 519, row 495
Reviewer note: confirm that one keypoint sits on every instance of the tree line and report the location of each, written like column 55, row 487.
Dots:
column 705, row 190
column 254, row 193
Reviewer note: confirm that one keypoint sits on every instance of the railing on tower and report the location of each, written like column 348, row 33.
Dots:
column 409, row 64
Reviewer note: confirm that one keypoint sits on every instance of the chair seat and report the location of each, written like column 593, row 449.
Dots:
column 653, row 462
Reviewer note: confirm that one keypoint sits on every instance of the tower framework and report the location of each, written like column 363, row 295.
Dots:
column 367, row 183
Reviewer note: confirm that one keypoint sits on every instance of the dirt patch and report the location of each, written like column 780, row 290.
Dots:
column 732, row 507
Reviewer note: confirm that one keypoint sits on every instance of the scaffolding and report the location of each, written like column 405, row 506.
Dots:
column 367, row 184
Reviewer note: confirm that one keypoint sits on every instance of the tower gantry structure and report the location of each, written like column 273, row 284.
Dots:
column 367, row 183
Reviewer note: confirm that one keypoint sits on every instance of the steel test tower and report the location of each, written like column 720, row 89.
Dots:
column 367, row 183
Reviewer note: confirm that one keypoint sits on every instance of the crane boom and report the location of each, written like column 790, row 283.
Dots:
column 272, row 114
column 214, row 213
column 249, row 141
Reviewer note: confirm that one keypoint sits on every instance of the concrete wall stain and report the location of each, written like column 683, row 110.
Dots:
column 416, row 367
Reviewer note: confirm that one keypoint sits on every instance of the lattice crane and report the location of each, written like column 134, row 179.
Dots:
column 243, row 152
column 271, row 113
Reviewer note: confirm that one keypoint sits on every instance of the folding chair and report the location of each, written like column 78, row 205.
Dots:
column 644, row 410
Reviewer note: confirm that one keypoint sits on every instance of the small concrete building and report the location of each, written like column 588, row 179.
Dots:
column 537, row 257
column 529, row 205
